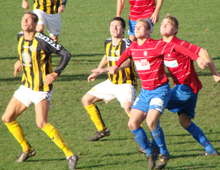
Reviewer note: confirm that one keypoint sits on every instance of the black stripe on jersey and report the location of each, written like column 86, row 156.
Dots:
column 51, row 6
column 38, row 4
column 32, row 71
column 21, row 48
column 110, row 63
column 45, row 6
column 58, row 4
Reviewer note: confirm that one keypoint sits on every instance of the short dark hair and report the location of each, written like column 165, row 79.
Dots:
column 119, row 19
column 34, row 16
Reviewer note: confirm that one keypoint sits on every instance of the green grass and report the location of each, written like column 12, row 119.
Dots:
column 85, row 26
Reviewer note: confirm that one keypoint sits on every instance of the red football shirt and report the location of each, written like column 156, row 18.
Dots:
column 181, row 67
column 141, row 9
column 148, row 59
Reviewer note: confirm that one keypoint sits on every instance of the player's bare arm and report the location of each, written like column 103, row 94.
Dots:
column 204, row 54
column 25, row 4
column 155, row 15
column 61, row 8
column 17, row 68
column 120, row 6
column 202, row 63
column 50, row 78
column 113, row 69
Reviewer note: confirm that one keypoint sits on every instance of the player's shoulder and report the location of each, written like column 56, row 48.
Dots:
column 20, row 34
column 126, row 41
column 44, row 39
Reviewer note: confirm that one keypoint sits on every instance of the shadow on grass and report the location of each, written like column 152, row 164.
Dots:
column 11, row 79
column 46, row 160
column 193, row 166
column 79, row 77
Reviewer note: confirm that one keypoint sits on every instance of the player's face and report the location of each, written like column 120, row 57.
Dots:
column 116, row 29
column 141, row 30
column 27, row 23
column 167, row 28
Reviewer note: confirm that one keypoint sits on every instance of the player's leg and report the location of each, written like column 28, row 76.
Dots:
column 140, row 136
column 92, row 109
column 42, row 109
column 197, row 133
column 16, row 106
column 131, row 27
column 159, row 100
column 41, row 20
column 102, row 91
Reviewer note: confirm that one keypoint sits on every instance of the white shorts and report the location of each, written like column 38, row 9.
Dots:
column 53, row 21
column 108, row 91
column 27, row 96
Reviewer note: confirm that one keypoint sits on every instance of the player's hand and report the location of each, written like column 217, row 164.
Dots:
column 50, row 78
column 25, row 5
column 100, row 70
column 61, row 9
column 17, row 68
column 216, row 78
column 154, row 17
column 202, row 63
column 113, row 69
column 92, row 77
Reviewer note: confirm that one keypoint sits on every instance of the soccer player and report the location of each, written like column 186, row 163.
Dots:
column 147, row 9
column 186, row 82
column 121, row 85
column 154, row 96
column 48, row 13
column 35, row 51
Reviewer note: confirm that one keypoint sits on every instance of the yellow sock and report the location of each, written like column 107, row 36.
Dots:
column 55, row 135
column 96, row 117
column 18, row 133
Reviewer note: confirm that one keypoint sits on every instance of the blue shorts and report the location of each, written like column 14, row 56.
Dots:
column 183, row 100
column 131, row 26
column 156, row 99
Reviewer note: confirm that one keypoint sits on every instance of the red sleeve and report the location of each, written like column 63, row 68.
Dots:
column 186, row 52
column 125, row 55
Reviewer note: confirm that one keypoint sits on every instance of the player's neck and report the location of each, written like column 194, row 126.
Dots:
column 141, row 41
column 168, row 38
column 28, row 35
column 116, row 41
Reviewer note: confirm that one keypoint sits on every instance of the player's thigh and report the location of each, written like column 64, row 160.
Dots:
column 42, row 101
column 104, row 91
column 153, row 117
column 89, row 99
column 41, row 16
column 42, row 109
column 13, row 110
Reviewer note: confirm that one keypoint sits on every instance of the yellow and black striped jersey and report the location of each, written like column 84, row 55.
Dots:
column 49, row 6
column 113, row 53
column 35, row 57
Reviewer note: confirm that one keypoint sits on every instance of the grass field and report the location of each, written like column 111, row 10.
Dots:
column 85, row 26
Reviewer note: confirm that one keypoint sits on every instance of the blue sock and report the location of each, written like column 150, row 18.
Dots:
column 159, row 138
column 198, row 134
column 153, row 142
column 141, row 138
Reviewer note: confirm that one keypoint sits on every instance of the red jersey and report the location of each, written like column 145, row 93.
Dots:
column 181, row 67
column 148, row 59
column 141, row 9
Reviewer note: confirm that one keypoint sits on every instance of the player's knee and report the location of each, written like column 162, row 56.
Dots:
column 6, row 119
column 40, row 28
column 84, row 100
column 132, row 125
column 55, row 38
